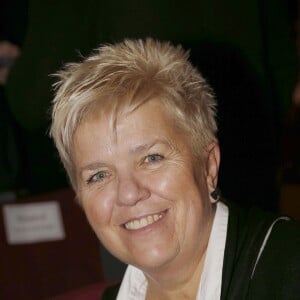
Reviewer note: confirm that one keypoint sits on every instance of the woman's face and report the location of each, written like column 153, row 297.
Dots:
column 138, row 188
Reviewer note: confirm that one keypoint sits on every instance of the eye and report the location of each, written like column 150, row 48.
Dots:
column 153, row 158
column 99, row 176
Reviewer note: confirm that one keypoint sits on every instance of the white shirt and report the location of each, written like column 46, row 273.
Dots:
column 134, row 283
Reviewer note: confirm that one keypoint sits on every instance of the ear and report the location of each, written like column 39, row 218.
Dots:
column 212, row 166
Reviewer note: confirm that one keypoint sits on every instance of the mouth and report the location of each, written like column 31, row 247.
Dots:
column 143, row 222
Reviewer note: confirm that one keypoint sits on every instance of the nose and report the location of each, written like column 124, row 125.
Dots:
column 131, row 190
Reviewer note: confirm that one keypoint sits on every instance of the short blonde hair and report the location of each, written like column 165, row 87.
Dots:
column 122, row 77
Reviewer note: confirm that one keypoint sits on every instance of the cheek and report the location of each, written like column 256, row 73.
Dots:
column 98, row 208
column 175, row 181
column 163, row 183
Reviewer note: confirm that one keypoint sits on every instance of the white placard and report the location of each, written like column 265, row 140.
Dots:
column 33, row 222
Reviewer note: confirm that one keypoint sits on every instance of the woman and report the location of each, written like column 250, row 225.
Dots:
column 135, row 128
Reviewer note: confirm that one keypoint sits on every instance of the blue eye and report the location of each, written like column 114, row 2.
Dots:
column 153, row 158
column 99, row 176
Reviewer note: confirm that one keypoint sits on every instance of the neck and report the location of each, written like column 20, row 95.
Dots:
column 179, row 286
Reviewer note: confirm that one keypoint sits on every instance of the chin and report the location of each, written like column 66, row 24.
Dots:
column 154, row 259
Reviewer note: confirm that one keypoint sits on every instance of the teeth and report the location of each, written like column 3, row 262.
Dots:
column 143, row 222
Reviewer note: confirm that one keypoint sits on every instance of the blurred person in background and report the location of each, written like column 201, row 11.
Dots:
column 13, row 23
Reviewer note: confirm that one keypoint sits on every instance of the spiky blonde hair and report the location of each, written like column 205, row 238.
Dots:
column 120, row 77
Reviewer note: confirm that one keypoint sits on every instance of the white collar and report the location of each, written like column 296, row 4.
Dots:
column 211, row 278
column 134, row 283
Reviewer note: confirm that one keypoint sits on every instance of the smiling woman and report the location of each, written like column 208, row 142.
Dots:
column 149, row 206
column 135, row 128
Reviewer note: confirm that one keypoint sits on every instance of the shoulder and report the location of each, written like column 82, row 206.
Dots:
column 280, row 247
column 262, row 256
column 278, row 270
column 273, row 236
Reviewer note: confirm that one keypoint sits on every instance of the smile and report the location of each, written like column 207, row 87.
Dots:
column 143, row 222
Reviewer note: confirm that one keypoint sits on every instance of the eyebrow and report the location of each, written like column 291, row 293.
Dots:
column 138, row 149
column 92, row 166
column 147, row 146
column 143, row 147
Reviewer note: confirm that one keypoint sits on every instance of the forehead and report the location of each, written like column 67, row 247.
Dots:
column 114, row 115
column 150, row 116
column 148, row 122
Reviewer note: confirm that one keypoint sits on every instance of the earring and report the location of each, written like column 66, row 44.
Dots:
column 216, row 194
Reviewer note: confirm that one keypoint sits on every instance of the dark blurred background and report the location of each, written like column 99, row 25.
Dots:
column 245, row 49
